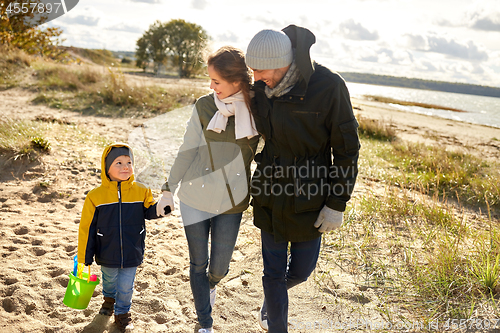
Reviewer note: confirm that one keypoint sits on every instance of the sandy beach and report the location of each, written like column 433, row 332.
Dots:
column 40, row 206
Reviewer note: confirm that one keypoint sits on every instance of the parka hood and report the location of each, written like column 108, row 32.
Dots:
column 104, row 177
column 302, row 39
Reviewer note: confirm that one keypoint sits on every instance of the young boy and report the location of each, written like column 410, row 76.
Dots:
column 113, row 230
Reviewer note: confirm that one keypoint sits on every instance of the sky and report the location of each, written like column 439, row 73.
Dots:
column 444, row 40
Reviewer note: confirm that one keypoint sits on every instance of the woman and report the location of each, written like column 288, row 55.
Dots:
column 213, row 167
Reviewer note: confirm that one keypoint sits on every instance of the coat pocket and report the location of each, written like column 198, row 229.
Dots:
column 134, row 237
column 310, row 195
column 107, row 246
column 349, row 132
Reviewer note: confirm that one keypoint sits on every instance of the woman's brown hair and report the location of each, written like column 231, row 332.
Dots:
column 229, row 63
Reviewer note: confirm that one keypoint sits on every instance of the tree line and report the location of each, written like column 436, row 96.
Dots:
column 394, row 81
column 177, row 43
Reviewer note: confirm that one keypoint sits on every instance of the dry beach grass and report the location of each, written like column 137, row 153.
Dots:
column 412, row 249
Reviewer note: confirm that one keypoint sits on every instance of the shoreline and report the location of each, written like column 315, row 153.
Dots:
column 387, row 105
column 478, row 139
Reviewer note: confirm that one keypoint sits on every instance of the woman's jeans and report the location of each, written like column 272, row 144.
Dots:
column 282, row 272
column 118, row 283
column 224, row 230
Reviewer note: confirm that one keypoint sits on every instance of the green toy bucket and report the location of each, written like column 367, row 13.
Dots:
column 79, row 292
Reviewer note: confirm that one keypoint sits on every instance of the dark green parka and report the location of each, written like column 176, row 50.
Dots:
column 311, row 148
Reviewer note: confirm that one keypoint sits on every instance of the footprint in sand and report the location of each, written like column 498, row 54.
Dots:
column 140, row 286
column 10, row 281
column 30, row 308
column 171, row 271
column 161, row 318
column 11, row 248
column 18, row 240
column 9, row 291
column 22, row 230
column 56, row 271
column 38, row 251
column 9, row 305
column 62, row 280
column 36, row 242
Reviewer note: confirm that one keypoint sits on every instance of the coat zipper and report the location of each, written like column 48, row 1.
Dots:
column 120, row 220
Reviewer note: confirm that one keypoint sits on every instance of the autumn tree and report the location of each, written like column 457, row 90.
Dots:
column 180, row 41
column 186, row 42
column 152, row 47
column 21, row 30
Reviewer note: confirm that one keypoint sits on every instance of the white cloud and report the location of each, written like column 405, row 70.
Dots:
column 446, row 23
column 468, row 51
column 369, row 58
column 415, row 42
column 484, row 16
column 228, row 37
column 81, row 19
column 125, row 27
column 265, row 22
column 487, row 23
column 481, row 16
column 425, row 66
column 450, row 47
column 355, row 31
column 381, row 53
column 199, row 4
column 322, row 47
column 87, row 16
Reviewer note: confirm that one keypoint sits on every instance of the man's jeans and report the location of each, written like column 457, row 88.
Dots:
column 224, row 230
column 118, row 283
column 282, row 273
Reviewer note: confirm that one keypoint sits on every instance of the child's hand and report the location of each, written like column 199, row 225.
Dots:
column 166, row 200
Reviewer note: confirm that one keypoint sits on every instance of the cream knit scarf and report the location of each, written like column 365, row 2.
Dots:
column 233, row 106
column 289, row 80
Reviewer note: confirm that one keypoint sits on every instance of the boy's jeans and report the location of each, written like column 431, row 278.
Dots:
column 282, row 272
column 118, row 283
column 224, row 230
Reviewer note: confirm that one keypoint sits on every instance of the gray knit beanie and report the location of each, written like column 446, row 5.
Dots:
column 269, row 49
column 116, row 152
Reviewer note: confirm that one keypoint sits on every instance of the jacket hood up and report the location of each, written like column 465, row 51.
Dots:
column 302, row 39
column 104, row 177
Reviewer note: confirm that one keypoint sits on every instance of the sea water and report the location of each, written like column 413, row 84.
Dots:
column 481, row 110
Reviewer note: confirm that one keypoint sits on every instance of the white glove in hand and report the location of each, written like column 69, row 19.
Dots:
column 166, row 200
column 329, row 219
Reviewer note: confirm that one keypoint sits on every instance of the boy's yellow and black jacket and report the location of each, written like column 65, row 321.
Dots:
column 112, row 227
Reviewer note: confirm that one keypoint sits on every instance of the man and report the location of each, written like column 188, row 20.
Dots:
column 304, row 113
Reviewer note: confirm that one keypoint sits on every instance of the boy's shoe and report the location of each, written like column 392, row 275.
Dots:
column 213, row 294
column 206, row 330
column 124, row 321
column 107, row 307
column 263, row 317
